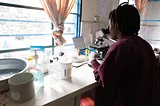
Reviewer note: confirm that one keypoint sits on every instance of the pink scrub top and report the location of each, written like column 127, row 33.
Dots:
column 128, row 75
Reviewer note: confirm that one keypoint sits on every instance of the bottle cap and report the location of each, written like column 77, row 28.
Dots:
column 30, row 58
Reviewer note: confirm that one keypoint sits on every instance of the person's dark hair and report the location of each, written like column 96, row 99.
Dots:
column 126, row 18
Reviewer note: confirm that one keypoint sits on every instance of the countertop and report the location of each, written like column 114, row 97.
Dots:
column 82, row 80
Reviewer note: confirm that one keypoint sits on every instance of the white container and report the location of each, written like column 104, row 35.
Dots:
column 54, row 69
column 62, row 69
column 58, row 71
column 66, row 69
column 54, row 75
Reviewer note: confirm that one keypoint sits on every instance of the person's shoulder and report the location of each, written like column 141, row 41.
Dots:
column 124, row 43
column 143, row 41
column 119, row 43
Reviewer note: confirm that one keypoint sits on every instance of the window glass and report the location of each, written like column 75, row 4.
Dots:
column 15, row 42
column 24, row 54
column 72, row 18
column 74, row 9
column 121, row 1
column 130, row 1
column 70, row 28
column 21, row 27
column 33, row 3
column 23, row 21
column 70, row 24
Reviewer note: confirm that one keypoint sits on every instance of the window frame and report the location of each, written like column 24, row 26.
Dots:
column 78, row 24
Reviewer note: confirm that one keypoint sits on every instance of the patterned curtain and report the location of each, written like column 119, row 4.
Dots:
column 58, row 10
column 140, row 4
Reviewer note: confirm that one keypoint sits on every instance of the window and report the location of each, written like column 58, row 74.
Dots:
column 24, row 23
column 121, row 1
column 130, row 1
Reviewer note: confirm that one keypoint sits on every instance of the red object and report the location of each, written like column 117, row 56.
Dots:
column 86, row 101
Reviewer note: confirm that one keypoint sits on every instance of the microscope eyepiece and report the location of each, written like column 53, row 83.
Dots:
column 105, row 31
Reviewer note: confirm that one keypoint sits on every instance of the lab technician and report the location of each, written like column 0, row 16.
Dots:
column 128, row 75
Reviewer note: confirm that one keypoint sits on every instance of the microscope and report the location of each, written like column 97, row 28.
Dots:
column 99, row 46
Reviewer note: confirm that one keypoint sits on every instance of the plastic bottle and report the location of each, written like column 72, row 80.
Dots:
column 87, row 51
column 37, row 68
column 39, row 76
column 31, row 63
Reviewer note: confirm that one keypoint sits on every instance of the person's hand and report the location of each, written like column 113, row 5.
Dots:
column 92, row 56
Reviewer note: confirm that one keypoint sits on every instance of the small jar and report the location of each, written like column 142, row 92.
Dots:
column 95, row 18
column 87, row 51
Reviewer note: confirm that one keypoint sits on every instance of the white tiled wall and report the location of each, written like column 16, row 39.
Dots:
column 150, row 30
column 88, row 31
column 90, row 8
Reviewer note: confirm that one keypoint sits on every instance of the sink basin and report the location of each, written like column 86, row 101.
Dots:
column 9, row 67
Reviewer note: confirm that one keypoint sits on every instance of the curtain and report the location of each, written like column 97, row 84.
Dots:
column 57, row 11
column 140, row 4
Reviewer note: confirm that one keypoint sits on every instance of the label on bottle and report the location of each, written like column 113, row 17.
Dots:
column 66, row 73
